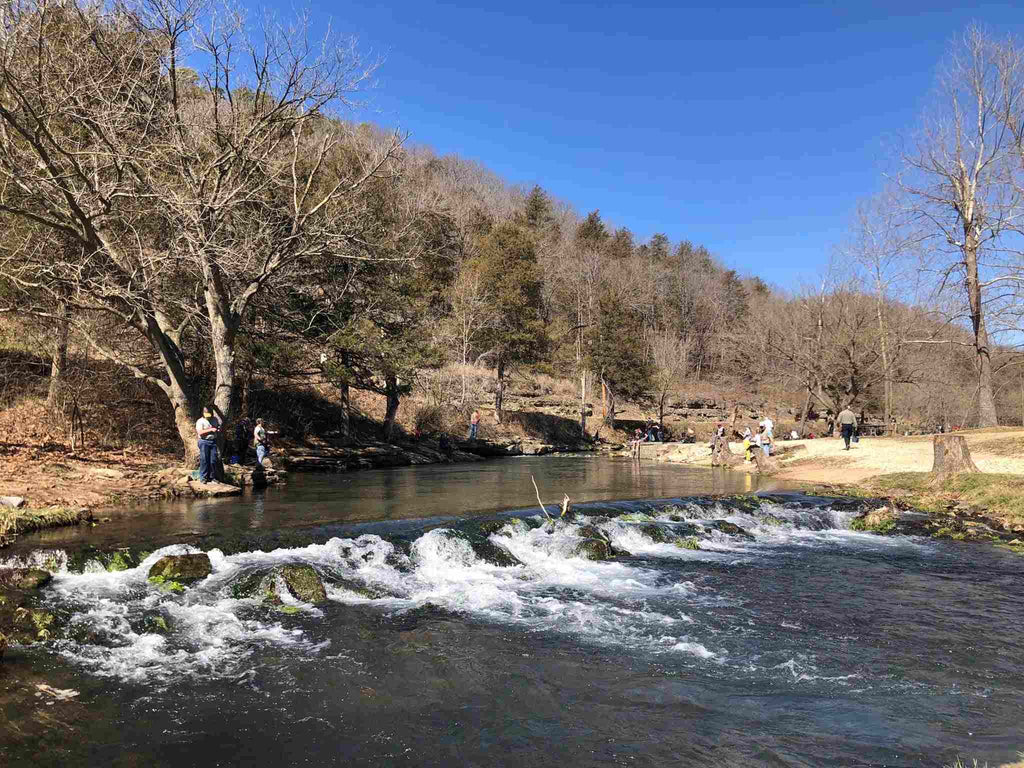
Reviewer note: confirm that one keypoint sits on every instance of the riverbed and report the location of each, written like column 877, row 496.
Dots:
column 786, row 639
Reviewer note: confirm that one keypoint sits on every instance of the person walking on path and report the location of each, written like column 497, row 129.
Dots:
column 474, row 424
column 847, row 421
column 259, row 437
column 207, row 429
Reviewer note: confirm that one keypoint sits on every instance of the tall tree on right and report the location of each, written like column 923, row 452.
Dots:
column 959, row 180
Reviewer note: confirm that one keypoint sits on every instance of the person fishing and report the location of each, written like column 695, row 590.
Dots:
column 847, row 421
column 207, row 429
column 259, row 436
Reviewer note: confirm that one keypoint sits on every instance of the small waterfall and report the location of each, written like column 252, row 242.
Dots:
column 615, row 574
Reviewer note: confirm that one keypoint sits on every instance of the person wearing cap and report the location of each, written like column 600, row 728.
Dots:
column 207, row 429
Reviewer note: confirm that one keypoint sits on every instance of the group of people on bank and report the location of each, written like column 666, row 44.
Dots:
column 208, row 431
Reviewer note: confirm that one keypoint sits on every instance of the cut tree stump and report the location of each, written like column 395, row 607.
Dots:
column 765, row 464
column 722, row 455
column 952, row 456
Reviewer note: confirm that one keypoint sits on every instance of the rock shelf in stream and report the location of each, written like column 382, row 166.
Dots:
column 22, row 620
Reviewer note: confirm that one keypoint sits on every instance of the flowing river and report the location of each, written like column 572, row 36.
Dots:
column 461, row 629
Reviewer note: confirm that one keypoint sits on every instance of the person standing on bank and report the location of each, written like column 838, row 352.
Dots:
column 847, row 421
column 207, row 429
column 474, row 424
column 259, row 437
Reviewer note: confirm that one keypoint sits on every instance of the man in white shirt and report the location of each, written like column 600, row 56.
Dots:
column 259, row 436
column 207, row 429
column 768, row 426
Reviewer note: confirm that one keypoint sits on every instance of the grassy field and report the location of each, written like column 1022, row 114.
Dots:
column 1001, row 496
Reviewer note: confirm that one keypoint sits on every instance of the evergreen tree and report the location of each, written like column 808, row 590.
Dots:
column 507, row 264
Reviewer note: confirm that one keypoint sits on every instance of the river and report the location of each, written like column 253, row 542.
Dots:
column 793, row 642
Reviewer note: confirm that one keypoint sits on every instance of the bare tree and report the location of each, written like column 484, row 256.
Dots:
column 671, row 356
column 959, row 180
column 185, row 194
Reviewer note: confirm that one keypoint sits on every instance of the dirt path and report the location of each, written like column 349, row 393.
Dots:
column 824, row 460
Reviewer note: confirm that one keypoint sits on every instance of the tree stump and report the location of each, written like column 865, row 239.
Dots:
column 765, row 464
column 952, row 456
column 722, row 456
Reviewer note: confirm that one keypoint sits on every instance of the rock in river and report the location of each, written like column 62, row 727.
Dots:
column 183, row 569
column 24, row 578
column 301, row 581
column 593, row 549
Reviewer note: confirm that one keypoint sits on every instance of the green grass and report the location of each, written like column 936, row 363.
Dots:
column 15, row 521
column 1000, row 496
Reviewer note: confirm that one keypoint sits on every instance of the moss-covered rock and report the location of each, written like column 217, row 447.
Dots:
column 181, row 569
column 593, row 549
column 485, row 549
column 688, row 542
column 730, row 529
column 24, row 578
column 881, row 521
column 304, row 583
column 656, row 533
column 300, row 581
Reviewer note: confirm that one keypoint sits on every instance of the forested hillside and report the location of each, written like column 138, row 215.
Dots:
column 192, row 217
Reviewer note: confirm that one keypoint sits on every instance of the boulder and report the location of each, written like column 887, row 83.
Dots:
column 183, row 569
column 486, row 549
column 24, row 578
column 301, row 581
column 593, row 549
column 14, row 502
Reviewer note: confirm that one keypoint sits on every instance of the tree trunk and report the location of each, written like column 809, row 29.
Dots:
column 583, row 404
column 499, row 392
column 59, row 364
column 765, row 464
column 722, row 455
column 609, row 399
column 952, row 456
column 803, row 416
column 185, row 420
column 986, row 399
column 393, row 399
column 346, row 411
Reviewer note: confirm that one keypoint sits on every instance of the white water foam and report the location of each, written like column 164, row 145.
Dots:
column 627, row 603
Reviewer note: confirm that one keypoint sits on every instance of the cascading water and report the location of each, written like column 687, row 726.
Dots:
column 741, row 631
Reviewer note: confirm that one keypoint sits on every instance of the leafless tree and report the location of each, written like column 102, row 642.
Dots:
column 958, row 176
column 185, row 194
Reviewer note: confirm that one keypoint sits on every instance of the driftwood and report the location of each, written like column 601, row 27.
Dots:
column 722, row 455
column 952, row 456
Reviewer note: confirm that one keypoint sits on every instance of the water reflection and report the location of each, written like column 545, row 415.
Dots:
column 406, row 493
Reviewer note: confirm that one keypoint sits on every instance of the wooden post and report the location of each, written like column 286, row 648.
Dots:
column 952, row 456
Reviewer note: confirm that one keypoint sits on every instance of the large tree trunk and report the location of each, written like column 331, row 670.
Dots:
column 59, row 363
column 499, row 392
column 986, row 398
column 393, row 399
column 722, row 455
column 765, row 464
column 952, row 456
column 583, row 404
column 185, row 415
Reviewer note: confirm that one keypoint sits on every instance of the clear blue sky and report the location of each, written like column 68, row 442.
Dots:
column 749, row 129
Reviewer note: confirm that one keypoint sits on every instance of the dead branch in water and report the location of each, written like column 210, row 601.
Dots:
column 535, row 488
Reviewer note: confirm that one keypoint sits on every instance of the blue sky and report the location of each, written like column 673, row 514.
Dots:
column 752, row 130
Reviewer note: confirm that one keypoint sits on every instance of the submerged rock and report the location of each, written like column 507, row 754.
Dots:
column 593, row 549
column 730, row 529
column 656, row 533
column 485, row 549
column 181, row 569
column 24, row 578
